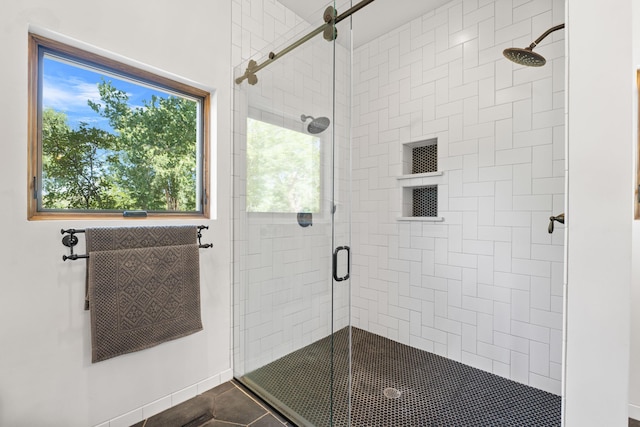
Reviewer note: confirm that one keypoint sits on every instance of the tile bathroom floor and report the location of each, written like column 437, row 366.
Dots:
column 227, row 405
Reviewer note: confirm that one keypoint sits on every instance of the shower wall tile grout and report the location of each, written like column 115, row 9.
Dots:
column 282, row 290
column 485, row 286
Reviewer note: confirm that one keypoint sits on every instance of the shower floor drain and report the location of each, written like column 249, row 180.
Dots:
column 391, row 393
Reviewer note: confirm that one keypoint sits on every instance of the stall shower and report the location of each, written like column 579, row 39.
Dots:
column 393, row 261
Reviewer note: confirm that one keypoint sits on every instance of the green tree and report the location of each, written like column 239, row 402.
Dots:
column 74, row 165
column 157, row 143
column 283, row 169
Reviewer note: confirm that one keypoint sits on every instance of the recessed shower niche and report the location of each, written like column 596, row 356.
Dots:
column 420, row 180
column 424, row 158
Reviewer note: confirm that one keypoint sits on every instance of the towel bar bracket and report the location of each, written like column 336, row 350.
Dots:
column 70, row 240
column 200, row 244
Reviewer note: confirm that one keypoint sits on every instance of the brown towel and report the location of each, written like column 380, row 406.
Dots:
column 141, row 296
column 114, row 238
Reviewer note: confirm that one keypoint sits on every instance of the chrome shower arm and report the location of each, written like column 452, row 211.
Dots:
column 545, row 34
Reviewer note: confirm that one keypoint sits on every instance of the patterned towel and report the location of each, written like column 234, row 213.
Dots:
column 142, row 296
column 114, row 238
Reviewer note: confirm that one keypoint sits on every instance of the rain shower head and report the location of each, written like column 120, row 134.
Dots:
column 527, row 56
column 524, row 56
column 316, row 125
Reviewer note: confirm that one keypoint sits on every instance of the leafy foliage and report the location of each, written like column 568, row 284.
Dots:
column 283, row 169
column 74, row 166
column 147, row 163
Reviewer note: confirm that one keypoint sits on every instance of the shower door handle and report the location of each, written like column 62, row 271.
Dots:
column 335, row 263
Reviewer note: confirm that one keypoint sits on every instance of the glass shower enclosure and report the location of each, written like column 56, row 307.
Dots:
column 292, row 226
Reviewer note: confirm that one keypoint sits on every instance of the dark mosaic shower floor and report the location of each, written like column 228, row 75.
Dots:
column 433, row 390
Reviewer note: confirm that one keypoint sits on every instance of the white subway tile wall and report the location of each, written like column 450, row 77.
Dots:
column 485, row 285
column 283, row 291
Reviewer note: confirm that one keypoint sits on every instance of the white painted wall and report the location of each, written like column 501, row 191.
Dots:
column 601, row 95
column 634, row 374
column 484, row 286
column 47, row 377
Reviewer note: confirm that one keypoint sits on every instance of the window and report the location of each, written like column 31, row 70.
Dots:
column 283, row 169
column 107, row 138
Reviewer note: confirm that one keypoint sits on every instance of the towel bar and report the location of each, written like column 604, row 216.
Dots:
column 70, row 239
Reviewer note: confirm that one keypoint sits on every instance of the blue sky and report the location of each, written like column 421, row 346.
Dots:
column 67, row 88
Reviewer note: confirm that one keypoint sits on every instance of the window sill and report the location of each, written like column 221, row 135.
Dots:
column 61, row 216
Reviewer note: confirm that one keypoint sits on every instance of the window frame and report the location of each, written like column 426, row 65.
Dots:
column 34, row 167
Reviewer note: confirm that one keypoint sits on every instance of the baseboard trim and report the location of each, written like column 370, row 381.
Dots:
column 168, row 401
column 634, row 412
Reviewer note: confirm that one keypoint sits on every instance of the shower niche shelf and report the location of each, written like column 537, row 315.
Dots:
column 420, row 203
column 419, row 175
column 419, row 181
column 420, row 157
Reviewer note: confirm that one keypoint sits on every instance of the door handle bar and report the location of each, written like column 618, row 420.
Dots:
column 335, row 263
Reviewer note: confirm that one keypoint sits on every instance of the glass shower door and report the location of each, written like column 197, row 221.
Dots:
column 292, row 231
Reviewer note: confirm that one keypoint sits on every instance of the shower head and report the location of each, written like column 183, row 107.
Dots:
column 527, row 56
column 524, row 56
column 316, row 125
